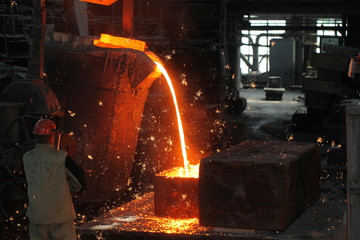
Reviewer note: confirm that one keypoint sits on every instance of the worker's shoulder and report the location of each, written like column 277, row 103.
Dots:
column 27, row 154
column 49, row 150
column 57, row 152
column 61, row 152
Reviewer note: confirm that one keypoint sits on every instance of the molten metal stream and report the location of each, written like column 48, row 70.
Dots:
column 180, row 126
column 109, row 41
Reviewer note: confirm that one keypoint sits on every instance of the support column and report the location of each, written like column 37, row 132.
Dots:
column 353, row 171
column 36, row 54
column 81, row 16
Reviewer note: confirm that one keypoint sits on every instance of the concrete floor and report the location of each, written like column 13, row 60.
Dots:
column 261, row 113
column 260, row 108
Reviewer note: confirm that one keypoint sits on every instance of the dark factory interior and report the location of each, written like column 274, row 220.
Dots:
column 190, row 119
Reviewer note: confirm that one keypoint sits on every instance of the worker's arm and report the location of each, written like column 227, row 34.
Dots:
column 75, row 170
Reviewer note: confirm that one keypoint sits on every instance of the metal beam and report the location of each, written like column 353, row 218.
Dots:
column 295, row 7
column 36, row 58
column 293, row 28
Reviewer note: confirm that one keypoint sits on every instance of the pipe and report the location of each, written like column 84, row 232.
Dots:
column 36, row 54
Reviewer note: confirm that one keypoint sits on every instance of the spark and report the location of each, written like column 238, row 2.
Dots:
column 90, row 157
column 199, row 93
column 170, row 142
column 183, row 79
column 290, row 138
column 71, row 113
column 100, row 103
column 13, row 3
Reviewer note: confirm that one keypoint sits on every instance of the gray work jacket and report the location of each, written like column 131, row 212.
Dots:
column 49, row 184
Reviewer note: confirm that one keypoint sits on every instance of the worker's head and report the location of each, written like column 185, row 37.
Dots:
column 44, row 131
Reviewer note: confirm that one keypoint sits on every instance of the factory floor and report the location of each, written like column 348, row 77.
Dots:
column 261, row 114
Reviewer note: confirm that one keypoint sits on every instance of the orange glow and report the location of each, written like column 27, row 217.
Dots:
column 109, row 41
column 193, row 172
column 180, row 126
column 138, row 215
column 101, row 2
column 171, row 225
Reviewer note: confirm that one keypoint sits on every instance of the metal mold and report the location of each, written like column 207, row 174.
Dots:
column 176, row 197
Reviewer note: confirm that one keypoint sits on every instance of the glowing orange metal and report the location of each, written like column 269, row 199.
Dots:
column 171, row 225
column 101, row 2
column 193, row 172
column 109, row 41
column 180, row 127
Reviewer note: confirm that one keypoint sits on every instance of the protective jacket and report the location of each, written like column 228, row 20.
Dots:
column 49, row 184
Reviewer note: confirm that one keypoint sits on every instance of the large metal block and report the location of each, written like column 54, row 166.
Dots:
column 334, row 62
column 176, row 197
column 330, row 75
column 258, row 185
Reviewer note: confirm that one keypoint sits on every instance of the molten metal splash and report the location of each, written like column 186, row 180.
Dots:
column 193, row 172
column 109, row 41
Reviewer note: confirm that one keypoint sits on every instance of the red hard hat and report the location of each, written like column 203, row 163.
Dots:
column 44, row 126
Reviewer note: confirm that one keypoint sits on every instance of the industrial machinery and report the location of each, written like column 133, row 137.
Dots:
column 106, row 102
column 274, row 89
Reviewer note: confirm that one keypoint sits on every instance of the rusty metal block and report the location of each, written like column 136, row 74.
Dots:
column 176, row 197
column 258, row 185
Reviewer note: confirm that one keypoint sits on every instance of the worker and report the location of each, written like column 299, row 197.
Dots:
column 50, row 183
